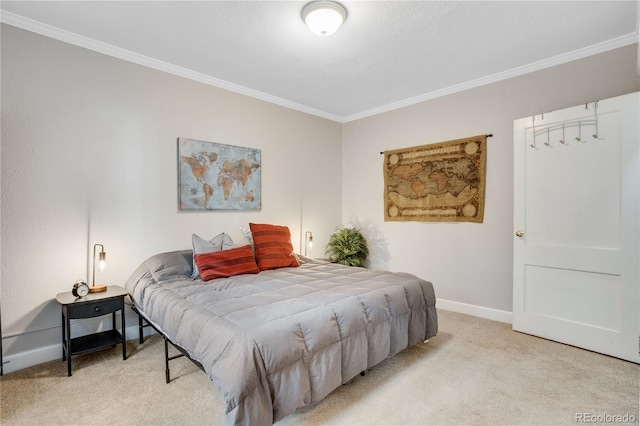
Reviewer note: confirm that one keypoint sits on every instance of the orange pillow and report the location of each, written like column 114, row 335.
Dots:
column 273, row 246
column 226, row 263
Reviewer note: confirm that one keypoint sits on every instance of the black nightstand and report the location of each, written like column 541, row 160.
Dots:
column 93, row 305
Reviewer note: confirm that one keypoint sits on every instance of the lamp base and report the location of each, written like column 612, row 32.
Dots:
column 97, row 288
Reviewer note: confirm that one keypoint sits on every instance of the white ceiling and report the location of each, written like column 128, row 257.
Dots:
column 387, row 54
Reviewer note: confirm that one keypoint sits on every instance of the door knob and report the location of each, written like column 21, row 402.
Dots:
column 519, row 234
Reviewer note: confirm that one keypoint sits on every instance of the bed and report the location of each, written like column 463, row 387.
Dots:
column 279, row 339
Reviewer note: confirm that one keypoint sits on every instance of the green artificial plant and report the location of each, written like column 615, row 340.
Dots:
column 347, row 246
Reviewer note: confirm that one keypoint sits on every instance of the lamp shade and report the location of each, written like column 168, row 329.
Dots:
column 308, row 241
column 324, row 17
column 102, row 261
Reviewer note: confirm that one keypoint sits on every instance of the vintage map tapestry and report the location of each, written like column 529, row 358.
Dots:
column 214, row 176
column 442, row 182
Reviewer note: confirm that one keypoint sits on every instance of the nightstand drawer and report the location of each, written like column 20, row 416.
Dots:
column 95, row 309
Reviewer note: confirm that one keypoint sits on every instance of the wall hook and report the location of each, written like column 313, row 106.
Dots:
column 533, row 121
column 595, row 107
column 548, row 142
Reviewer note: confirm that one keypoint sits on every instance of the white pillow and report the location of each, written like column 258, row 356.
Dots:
column 229, row 244
column 246, row 239
column 200, row 245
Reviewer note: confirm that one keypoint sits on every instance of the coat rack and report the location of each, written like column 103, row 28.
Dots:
column 580, row 124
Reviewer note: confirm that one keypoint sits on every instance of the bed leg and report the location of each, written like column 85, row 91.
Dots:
column 140, row 330
column 166, row 361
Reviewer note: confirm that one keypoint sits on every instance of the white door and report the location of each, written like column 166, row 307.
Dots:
column 576, row 257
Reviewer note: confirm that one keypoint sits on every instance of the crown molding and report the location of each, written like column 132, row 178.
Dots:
column 615, row 43
column 136, row 58
column 127, row 55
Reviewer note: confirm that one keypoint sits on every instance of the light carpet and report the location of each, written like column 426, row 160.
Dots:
column 474, row 372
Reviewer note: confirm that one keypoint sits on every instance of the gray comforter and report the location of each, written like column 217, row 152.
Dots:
column 285, row 338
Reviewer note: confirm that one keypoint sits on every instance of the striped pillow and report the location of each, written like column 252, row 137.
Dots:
column 273, row 246
column 200, row 245
column 226, row 263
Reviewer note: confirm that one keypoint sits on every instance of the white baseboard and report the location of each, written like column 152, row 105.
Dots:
column 475, row 310
column 28, row 359
column 37, row 356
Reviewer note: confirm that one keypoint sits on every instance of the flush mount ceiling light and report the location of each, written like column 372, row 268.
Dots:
column 324, row 17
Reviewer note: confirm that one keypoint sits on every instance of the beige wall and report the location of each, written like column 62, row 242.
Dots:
column 469, row 264
column 89, row 155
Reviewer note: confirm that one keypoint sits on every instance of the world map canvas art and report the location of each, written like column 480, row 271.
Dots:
column 438, row 182
column 213, row 176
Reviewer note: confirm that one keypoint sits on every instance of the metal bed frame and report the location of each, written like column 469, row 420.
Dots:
column 183, row 353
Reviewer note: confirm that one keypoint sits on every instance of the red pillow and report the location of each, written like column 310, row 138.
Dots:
column 273, row 246
column 226, row 263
